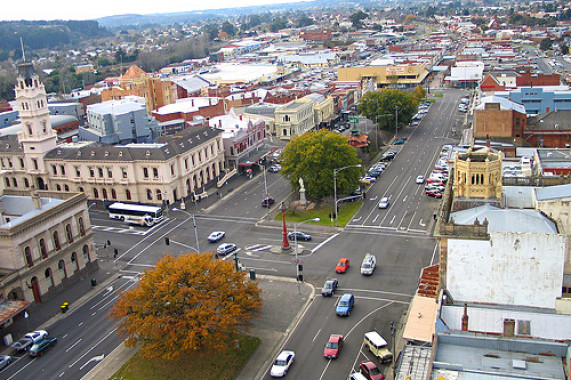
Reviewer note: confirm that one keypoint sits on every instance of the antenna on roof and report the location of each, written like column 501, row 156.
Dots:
column 23, row 52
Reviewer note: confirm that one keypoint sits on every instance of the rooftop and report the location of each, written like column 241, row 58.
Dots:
column 16, row 208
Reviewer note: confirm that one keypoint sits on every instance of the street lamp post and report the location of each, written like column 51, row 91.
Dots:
column 296, row 251
column 285, row 242
column 335, row 171
column 393, row 331
column 193, row 224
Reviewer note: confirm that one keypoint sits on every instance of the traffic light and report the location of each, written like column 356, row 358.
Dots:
column 300, row 267
column 167, row 241
column 300, row 277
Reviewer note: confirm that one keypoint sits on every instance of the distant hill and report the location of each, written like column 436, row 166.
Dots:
column 47, row 34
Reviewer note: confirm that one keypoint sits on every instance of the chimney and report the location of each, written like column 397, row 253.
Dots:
column 192, row 102
column 240, row 117
column 209, row 101
column 509, row 328
column 465, row 318
column 220, row 123
column 488, row 144
column 36, row 199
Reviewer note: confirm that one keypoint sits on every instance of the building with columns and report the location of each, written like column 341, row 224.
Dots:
column 174, row 167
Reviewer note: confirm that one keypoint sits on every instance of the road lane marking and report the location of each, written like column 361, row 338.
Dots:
column 93, row 359
column 324, row 242
column 89, row 350
column 73, row 345
column 316, row 334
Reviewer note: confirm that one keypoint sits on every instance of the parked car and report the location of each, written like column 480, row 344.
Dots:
column 42, row 346
column 4, row 361
column 399, row 142
column 216, row 236
column 371, row 371
column 299, row 235
column 268, row 202
column 342, row 265
column 369, row 179
column 37, row 335
column 435, row 180
column 225, row 249
column 333, row 346
column 275, row 168
column 420, row 179
column 384, row 202
column 329, row 287
column 22, row 344
column 345, row 305
column 282, row 363
column 434, row 193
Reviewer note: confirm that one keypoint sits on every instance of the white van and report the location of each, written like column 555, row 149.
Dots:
column 357, row 376
column 378, row 346
column 368, row 265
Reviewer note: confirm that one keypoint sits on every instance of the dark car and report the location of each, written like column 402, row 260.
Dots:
column 268, row 202
column 399, row 142
column 329, row 287
column 299, row 236
column 22, row 344
column 42, row 346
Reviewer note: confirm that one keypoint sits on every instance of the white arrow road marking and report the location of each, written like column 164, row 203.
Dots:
column 93, row 359
column 421, row 223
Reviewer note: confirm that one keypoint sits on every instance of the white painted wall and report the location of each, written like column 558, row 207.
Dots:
column 510, row 269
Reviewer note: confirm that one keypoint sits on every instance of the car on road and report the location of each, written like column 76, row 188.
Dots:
column 399, row 142
column 420, row 179
column 22, row 344
column 275, row 168
column 329, row 287
column 37, row 335
column 225, row 249
column 384, row 202
column 268, row 202
column 216, row 236
column 4, row 361
column 299, row 236
column 371, row 371
column 282, row 363
column 435, row 180
column 414, row 124
column 42, row 346
column 333, row 346
column 345, row 305
column 342, row 265
column 434, row 193
column 368, row 179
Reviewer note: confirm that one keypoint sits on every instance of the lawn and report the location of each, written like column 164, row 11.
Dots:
column 346, row 212
column 194, row 366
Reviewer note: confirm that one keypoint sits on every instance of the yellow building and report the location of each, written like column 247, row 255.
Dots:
column 157, row 93
column 294, row 118
column 323, row 109
column 401, row 76
column 478, row 175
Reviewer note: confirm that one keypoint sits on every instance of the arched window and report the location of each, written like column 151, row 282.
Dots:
column 104, row 193
column 49, row 279
column 86, row 258
column 43, row 249
column 68, row 233
column 58, row 187
column 74, row 263
column 149, row 195
column 28, row 257
column 95, row 193
column 56, row 241
column 159, row 195
column 26, row 183
column 128, row 194
column 81, row 190
column 66, row 187
column 61, row 270
column 15, row 182
column 7, row 181
column 81, row 226
column 113, row 194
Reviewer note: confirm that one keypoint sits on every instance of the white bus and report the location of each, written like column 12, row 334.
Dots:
column 136, row 214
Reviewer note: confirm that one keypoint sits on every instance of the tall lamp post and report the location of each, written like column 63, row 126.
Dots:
column 193, row 224
column 285, row 242
column 393, row 333
column 296, row 259
column 335, row 171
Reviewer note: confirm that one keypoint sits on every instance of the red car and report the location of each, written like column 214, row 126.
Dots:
column 333, row 346
column 434, row 193
column 435, row 181
column 342, row 265
column 371, row 371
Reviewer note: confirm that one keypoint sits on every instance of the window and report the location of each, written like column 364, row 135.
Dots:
column 155, row 172
column 68, row 233
column 49, row 279
column 62, row 169
column 58, row 187
column 149, row 195
column 57, row 245
column 113, row 194
column 81, row 226
column 22, row 166
column 128, row 194
column 146, row 172
column 86, row 258
column 91, row 172
column 95, row 193
column 61, row 270
column 74, row 263
column 104, row 193
column 7, row 181
column 109, row 172
column 54, row 169
column 66, row 187
column 43, row 249
column 172, row 170
column 159, row 195
column 186, row 164
column 26, row 182
column 44, row 127
column 15, row 182
column 523, row 327
column 100, row 172
column 77, row 171
column 35, row 162
column 124, row 172
column 28, row 257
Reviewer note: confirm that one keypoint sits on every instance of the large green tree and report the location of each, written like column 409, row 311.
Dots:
column 313, row 156
column 385, row 105
column 188, row 303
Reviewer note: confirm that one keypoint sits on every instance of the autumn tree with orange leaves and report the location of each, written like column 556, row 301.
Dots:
column 190, row 303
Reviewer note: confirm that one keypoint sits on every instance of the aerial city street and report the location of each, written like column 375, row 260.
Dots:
column 395, row 180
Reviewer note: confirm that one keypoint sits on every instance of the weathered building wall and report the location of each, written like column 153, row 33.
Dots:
column 510, row 269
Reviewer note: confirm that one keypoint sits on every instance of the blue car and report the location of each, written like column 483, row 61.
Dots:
column 345, row 305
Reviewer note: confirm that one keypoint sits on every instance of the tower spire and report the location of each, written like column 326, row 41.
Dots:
column 23, row 51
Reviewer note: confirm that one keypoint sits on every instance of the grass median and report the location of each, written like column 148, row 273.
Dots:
column 224, row 365
column 324, row 213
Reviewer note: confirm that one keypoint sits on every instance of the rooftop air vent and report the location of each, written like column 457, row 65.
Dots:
column 519, row 364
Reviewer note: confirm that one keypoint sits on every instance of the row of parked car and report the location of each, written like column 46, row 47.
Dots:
column 422, row 111
column 34, row 343
column 463, row 106
column 435, row 184
column 377, row 169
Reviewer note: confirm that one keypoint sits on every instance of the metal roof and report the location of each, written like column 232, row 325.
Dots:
column 553, row 192
column 506, row 220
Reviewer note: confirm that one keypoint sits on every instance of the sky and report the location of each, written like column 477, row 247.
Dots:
column 87, row 10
